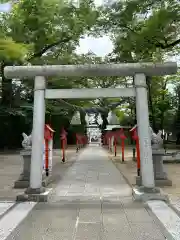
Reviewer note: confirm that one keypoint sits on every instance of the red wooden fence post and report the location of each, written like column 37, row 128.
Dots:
column 122, row 137
column 47, row 157
column 122, row 147
column 78, row 142
column 63, row 150
column 110, row 136
column 63, row 143
column 48, row 136
column 115, row 145
column 136, row 138
column 138, row 156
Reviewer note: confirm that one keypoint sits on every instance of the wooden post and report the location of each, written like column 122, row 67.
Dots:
column 136, row 138
column 63, row 144
column 115, row 146
column 47, row 157
column 138, row 156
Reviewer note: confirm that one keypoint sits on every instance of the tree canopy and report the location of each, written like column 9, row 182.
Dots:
column 48, row 32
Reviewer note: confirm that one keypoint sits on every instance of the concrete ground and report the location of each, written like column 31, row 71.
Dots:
column 11, row 166
column 92, row 201
column 129, row 170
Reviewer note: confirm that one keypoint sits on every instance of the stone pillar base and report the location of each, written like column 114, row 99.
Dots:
column 23, row 182
column 24, row 178
column 35, row 190
column 158, row 182
column 145, row 194
column 35, row 195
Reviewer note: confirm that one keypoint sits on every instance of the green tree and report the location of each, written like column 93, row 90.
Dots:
column 41, row 32
column 52, row 29
column 144, row 31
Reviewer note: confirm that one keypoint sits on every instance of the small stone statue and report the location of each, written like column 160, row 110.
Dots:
column 27, row 141
column 156, row 140
column 158, row 152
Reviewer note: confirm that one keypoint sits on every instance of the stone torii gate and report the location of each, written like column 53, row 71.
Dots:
column 138, row 70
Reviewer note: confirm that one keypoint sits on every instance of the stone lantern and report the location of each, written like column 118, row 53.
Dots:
column 112, row 119
column 76, row 119
column 113, row 123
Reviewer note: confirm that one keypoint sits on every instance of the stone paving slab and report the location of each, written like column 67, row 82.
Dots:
column 91, row 202
column 88, row 231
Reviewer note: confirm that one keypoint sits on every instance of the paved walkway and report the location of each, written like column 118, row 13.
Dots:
column 91, row 202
